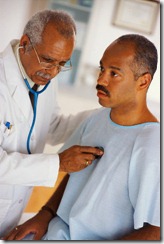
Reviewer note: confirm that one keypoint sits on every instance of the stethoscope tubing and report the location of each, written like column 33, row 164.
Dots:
column 35, row 93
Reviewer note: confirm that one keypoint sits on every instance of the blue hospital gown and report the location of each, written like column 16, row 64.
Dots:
column 117, row 193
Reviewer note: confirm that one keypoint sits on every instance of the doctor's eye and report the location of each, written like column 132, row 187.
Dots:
column 63, row 63
column 47, row 60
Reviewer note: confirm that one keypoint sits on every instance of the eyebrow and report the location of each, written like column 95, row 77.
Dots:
column 112, row 67
column 53, row 59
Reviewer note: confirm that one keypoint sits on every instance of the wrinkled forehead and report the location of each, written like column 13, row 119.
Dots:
column 55, row 46
column 51, row 32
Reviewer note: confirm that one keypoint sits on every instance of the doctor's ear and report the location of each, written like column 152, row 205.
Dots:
column 144, row 81
column 25, row 45
column 24, row 42
column 22, row 46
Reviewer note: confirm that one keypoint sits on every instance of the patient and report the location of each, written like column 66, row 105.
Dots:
column 118, row 196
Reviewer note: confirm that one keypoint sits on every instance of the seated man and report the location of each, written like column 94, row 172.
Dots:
column 117, row 197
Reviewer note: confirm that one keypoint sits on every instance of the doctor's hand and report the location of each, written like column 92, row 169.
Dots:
column 77, row 158
column 36, row 227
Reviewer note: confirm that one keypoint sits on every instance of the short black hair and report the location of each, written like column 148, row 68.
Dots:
column 146, row 56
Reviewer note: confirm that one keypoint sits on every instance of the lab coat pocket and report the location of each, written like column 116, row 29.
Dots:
column 6, row 129
column 7, row 137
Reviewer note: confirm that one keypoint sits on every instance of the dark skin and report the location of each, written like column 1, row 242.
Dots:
column 58, row 51
column 127, row 99
column 147, row 233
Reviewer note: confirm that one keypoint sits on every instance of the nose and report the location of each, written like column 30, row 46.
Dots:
column 103, row 79
column 53, row 71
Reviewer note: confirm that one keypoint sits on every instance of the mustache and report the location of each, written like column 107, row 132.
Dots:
column 43, row 75
column 102, row 88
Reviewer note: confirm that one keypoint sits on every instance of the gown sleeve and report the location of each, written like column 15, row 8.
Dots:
column 144, row 178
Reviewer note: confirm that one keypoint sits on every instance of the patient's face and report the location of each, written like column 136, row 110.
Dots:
column 116, row 84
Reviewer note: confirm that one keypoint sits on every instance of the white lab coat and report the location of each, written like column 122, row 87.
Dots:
column 19, row 171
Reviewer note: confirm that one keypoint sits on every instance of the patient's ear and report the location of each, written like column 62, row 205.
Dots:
column 144, row 81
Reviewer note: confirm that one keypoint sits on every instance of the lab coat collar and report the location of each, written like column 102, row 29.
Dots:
column 15, row 82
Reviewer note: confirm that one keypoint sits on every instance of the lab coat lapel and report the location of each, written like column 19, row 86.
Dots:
column 22, row 99
column 16, row 84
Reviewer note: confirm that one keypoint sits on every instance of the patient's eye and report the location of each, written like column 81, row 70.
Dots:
column 101, row 68
column 113, row 74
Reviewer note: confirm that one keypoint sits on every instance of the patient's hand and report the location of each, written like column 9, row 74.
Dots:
column 37, row 226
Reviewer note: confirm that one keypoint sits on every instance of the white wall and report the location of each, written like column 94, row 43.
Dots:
column 14, row 14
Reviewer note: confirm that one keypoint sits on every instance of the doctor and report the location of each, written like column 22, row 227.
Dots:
column 42, row 52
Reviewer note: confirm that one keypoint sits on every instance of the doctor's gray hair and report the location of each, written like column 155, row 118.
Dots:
column 62, row 21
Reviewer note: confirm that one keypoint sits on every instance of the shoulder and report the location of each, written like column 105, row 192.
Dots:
column 92, row 117
column 150, row 133
column 99, row 113
column 146, row 149
column 148, row 138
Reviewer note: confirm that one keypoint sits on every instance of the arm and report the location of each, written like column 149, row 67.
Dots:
column 144, row 181
column 146, row 233
column 38, row 225
column 62, row 126
column 46, row 166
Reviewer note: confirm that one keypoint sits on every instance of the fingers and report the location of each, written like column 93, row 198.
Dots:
column 76, row 158
column 16, row 234
column 89, row 153
column 95, row 151
column 87, row 163
column 91, row 150
column 12, row 235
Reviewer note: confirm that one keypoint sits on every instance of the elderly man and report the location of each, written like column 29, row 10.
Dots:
column 26, row 126
column 118, row 196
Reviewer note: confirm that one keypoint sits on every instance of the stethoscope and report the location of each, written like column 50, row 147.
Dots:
column 35, row 93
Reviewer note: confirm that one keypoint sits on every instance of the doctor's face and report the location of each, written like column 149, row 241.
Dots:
column 42, row 61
